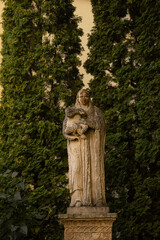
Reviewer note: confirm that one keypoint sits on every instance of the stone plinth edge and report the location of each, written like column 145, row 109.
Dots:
column 87, row 210
column 92, row 216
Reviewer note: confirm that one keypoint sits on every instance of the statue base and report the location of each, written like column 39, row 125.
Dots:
column 88, row 223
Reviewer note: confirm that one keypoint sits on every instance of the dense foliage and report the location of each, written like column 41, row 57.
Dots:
column 13, row 214
column 39, row 76
column 124, row 61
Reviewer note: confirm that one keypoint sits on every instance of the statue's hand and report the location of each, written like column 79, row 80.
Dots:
column 73, row 138
column 89, row 123
column 82, row 121
column 82, row 113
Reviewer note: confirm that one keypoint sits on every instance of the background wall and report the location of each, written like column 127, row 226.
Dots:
column 84, row 9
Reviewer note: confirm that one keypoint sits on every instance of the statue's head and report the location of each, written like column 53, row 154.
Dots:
column 83, row 98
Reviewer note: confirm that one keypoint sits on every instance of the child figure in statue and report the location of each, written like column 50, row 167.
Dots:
column 73, row 127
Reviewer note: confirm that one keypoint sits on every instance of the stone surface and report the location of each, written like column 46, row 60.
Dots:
column 96, row 211
column 91, row 227
column 84, row 128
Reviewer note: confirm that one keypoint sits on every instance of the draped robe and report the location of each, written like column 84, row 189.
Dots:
column 86, row 161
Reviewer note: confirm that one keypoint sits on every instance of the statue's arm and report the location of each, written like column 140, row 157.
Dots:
column 97, row 123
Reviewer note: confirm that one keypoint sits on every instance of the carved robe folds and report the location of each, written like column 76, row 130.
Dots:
column 86, row 158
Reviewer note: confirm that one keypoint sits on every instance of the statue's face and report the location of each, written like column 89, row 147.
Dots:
column 84, row 98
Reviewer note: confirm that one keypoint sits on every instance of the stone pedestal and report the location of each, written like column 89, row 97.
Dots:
column 88, row 223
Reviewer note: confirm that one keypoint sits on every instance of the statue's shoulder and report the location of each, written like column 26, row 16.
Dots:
column 98, row 110
column 99, row 115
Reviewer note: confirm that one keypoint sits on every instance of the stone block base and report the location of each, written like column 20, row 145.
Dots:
column 88, row 227
column 88, row 211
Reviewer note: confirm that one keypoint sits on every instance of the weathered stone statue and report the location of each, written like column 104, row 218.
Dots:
column 84, row 128
column 88, row 216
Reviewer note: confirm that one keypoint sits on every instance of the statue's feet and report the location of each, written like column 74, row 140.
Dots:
column 99, row 204
column 78, row 204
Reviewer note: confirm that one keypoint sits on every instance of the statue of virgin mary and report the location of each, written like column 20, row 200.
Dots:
column 84, row 128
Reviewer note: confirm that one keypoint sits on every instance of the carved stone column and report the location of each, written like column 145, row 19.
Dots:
column 88, row 223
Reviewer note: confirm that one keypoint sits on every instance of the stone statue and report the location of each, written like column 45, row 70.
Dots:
column 84, row 128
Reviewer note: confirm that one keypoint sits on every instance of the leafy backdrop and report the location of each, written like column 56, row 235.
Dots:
column 40, row 77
